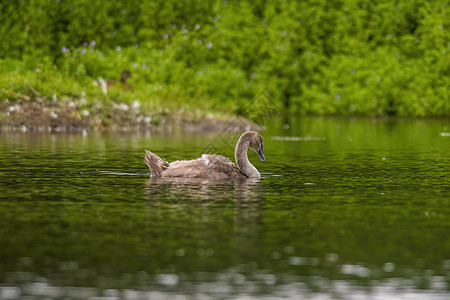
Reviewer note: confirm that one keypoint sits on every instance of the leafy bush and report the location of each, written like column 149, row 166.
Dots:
column 354, row 57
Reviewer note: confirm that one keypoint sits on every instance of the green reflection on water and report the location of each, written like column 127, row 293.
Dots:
column 357, row 201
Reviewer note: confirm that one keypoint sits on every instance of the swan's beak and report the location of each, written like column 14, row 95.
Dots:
column 261, row 154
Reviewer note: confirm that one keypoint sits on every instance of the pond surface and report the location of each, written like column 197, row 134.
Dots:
column 345, row 209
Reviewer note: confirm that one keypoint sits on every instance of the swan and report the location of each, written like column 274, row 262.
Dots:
column 211, row 166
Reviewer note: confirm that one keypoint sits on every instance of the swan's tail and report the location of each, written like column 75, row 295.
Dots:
column 155, row 163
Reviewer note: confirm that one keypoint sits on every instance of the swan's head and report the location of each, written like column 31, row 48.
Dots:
column 256, row 144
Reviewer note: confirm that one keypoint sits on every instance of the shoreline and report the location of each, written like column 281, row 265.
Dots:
column 22, row 115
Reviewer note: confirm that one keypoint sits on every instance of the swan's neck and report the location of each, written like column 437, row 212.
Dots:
column 240, row 154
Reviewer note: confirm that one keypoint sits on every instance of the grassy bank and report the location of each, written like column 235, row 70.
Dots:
column 38, row 95
column 193, row 59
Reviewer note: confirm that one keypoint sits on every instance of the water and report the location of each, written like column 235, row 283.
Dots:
column 345, row 209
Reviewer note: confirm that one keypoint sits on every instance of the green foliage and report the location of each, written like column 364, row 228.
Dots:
column 353, row 57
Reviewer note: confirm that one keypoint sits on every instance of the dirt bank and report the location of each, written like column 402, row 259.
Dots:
column 55, row 116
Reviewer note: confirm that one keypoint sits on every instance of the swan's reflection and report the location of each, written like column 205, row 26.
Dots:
column 179, row 190
column 211, row 197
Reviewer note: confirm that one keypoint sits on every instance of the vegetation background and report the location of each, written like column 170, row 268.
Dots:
column 347, row 57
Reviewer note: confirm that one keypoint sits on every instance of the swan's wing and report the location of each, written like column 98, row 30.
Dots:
column 222, row 165
column 194, row 168
column 208, row 166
